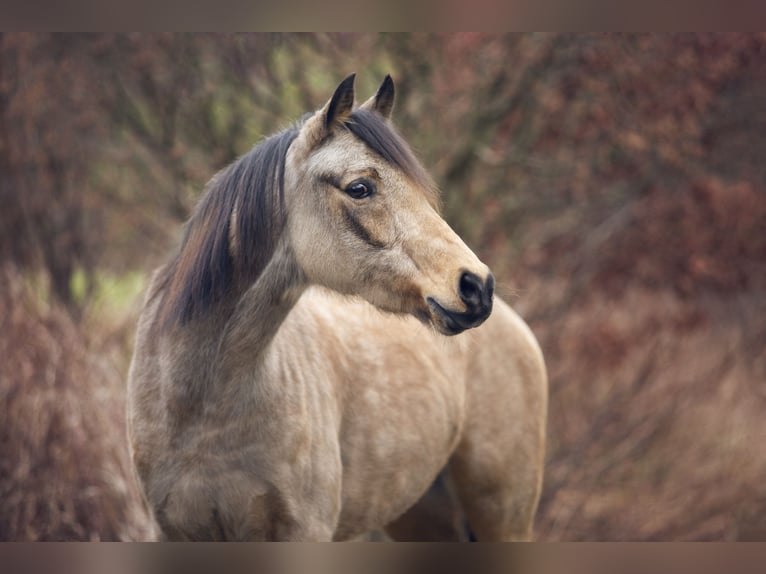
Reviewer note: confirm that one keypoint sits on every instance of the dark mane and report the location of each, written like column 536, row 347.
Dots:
column 380, row 137
column 205, row 268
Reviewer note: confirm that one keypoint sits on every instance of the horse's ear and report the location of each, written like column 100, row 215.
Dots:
column 337, row 109
column 383, row 101
column 340, row 105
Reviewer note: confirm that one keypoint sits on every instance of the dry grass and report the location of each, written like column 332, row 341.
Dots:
column 64, row 467
column 656, row 345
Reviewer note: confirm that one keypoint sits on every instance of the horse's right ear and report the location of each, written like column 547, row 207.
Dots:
column 337, row 109
column 383, row 101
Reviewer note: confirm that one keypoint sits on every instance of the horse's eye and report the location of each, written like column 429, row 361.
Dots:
column 360, row 189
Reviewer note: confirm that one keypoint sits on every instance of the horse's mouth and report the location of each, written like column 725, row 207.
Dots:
column 452, row 322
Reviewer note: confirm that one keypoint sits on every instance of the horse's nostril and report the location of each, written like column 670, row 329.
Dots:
column 471, row 287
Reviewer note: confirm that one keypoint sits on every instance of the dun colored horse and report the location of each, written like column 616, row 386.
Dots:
column 292, row 379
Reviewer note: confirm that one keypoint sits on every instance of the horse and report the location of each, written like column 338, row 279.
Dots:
column 323, row 354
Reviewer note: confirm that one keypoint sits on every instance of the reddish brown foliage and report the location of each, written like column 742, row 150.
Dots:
column 64, row 471
column 708, row 237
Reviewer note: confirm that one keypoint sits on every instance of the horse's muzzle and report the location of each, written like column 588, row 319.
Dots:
column 477, row 297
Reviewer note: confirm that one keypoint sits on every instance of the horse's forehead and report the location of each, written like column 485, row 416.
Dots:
column 343, row 152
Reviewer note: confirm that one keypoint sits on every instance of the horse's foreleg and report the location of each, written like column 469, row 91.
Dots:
column 498, row 492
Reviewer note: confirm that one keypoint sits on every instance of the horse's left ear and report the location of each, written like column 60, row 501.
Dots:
column 383, row 101
column 337, row 109
column 340, row 105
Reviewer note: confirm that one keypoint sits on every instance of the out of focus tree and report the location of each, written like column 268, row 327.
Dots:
column 47, row 131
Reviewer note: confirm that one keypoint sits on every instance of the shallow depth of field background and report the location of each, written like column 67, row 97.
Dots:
column 615, row 184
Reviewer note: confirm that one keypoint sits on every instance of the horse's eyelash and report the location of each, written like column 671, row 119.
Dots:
column 335, row 181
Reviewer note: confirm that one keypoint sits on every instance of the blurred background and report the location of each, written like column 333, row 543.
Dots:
column 615, row 184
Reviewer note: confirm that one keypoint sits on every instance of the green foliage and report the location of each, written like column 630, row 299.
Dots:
column 107, row 293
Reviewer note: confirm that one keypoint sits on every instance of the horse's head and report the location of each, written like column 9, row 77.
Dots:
column 363, row 218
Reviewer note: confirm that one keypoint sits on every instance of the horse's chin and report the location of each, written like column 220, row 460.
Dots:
column 435, row 315
column 449, row 322
column 445, row 328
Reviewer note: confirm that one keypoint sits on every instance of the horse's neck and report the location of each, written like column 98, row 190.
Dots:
column 211, row 358
column 259, row 313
